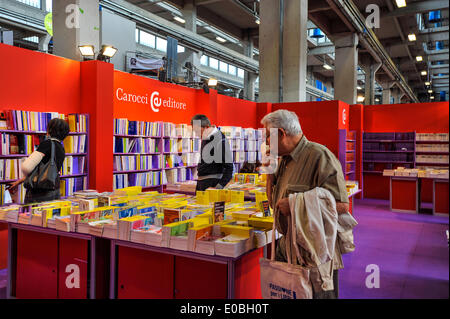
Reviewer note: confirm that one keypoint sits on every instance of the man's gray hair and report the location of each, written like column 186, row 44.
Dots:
column 284, row 119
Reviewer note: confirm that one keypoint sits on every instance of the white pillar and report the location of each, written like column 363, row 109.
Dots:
column 43, row 42
column 346, row 63
column 190, row 15
column 370, row 70
column 294, row 50
column 249, row 77
column 75, row 22
column 387, row 86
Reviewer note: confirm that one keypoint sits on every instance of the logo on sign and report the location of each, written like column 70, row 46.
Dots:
column 344, row 116
column 155, row 101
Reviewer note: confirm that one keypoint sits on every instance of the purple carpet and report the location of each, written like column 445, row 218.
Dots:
column 410, row 250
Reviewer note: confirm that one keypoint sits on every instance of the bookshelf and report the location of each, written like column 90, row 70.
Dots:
column 350, row 155
column 20, row 134
column 177, row 149
column 386, row 149
column 245, row 144
column 432, row 150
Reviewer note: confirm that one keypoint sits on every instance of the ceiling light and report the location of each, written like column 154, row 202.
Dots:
column 427, row 83
column 326, row 66
column 360, row 98
column 423, row 73
column 220, row 39
column 212, row 82
column 419, row 58
column 359, row 88
column 412, row 37
column 257, row 21
column 401, row 3
column 430, row 91
column 177, row 18
column 431, row 97
column 108, row 51
column 377, row 100
column 86, row 50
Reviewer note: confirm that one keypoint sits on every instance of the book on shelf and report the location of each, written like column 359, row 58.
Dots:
column 77, row 122
column 135, row 145
column 126, row 127
column 10, row 169
column 12, row 144
column 75, row 144
column 73, row 165
column 29, row 121
column 69, row 186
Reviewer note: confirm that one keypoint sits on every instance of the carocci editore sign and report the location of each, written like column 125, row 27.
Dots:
column 153, row 100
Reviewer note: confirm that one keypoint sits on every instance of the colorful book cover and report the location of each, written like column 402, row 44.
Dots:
column 171, row 216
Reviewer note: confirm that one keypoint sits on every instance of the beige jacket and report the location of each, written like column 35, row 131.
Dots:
column 322, row 235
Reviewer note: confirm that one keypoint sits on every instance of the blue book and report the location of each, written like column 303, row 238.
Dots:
column 132, row 128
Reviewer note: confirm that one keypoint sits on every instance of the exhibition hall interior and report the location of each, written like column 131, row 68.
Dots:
column 224, row 149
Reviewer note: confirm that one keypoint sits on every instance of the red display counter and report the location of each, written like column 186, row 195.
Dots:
column 404, row 194
column 49, row 264
column 440, row 197
column 143, row 271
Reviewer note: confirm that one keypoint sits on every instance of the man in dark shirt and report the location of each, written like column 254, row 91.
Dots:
column 216, row 159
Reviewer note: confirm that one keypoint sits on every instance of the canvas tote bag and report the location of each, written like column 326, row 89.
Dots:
column 280, row 280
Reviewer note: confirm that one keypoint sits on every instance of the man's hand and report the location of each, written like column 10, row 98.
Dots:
column 283, row 206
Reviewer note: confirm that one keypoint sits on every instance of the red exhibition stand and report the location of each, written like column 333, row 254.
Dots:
column 404, row 194
column 440, row 197
column 42, row 262
column 142, row 271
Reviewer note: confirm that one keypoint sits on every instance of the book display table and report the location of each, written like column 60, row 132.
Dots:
column 44, row 263
column 406, row 194
column 143, row 271
column 50, row 264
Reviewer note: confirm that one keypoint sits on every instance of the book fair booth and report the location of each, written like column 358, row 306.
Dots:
column 131, row 135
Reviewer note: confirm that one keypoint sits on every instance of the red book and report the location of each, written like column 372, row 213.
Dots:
column 13, row 144
column 9, row 120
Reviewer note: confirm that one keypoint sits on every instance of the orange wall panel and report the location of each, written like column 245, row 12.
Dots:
column 319, row 120
column 34, row 81
column 131, row 89
column 419, row 117
column 235, row 112
column 97, row 100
